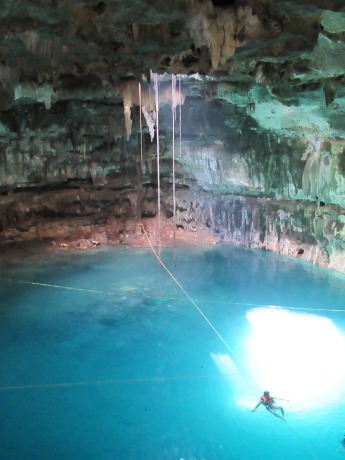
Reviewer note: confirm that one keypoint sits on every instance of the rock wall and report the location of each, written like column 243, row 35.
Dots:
column 262, row 200
column 71, row 172
column 302, row 230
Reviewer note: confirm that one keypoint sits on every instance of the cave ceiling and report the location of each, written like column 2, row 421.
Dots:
column 282, row 62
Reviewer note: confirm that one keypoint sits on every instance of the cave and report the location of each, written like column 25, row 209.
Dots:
column 204, row 127
column 249, row 97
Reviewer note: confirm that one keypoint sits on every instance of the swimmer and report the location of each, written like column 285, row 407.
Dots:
column 268, row 401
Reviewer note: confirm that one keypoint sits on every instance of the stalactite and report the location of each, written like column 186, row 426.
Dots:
column 150, row 118
column 136, row 32
column 149, row 112
column 310, row 178
column 127, row 105
column 142, row 98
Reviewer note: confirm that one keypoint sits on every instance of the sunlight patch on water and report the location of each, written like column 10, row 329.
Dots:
column 224, row 363
column 238, row 381
column 296, row 356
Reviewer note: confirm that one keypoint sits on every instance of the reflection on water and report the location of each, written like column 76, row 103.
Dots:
column 122, row 365
column 298, row 356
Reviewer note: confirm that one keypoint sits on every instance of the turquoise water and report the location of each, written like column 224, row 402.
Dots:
column 124, row 366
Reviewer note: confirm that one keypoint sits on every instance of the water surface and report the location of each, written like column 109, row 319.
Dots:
column 103, row 356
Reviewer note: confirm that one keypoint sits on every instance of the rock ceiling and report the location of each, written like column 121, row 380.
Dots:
column 286, row 58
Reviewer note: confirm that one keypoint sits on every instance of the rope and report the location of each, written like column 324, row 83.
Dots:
column 301, row 440
column 283, row 307
column 186, row 293
column 140, row 123
column 173, row 109
column 59, row 287
column 111, row 382
column 155, row 77
column 157, row 379
column 180, row 115
column 224, row 302
column 213, row 328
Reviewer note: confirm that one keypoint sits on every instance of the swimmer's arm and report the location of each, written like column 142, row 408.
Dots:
column 258, row 404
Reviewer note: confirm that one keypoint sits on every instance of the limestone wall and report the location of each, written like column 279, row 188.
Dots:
column 69, row 171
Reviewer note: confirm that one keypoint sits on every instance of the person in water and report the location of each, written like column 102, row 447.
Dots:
column 269, row 402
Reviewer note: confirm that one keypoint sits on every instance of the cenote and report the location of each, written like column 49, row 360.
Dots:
column 103, row 356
